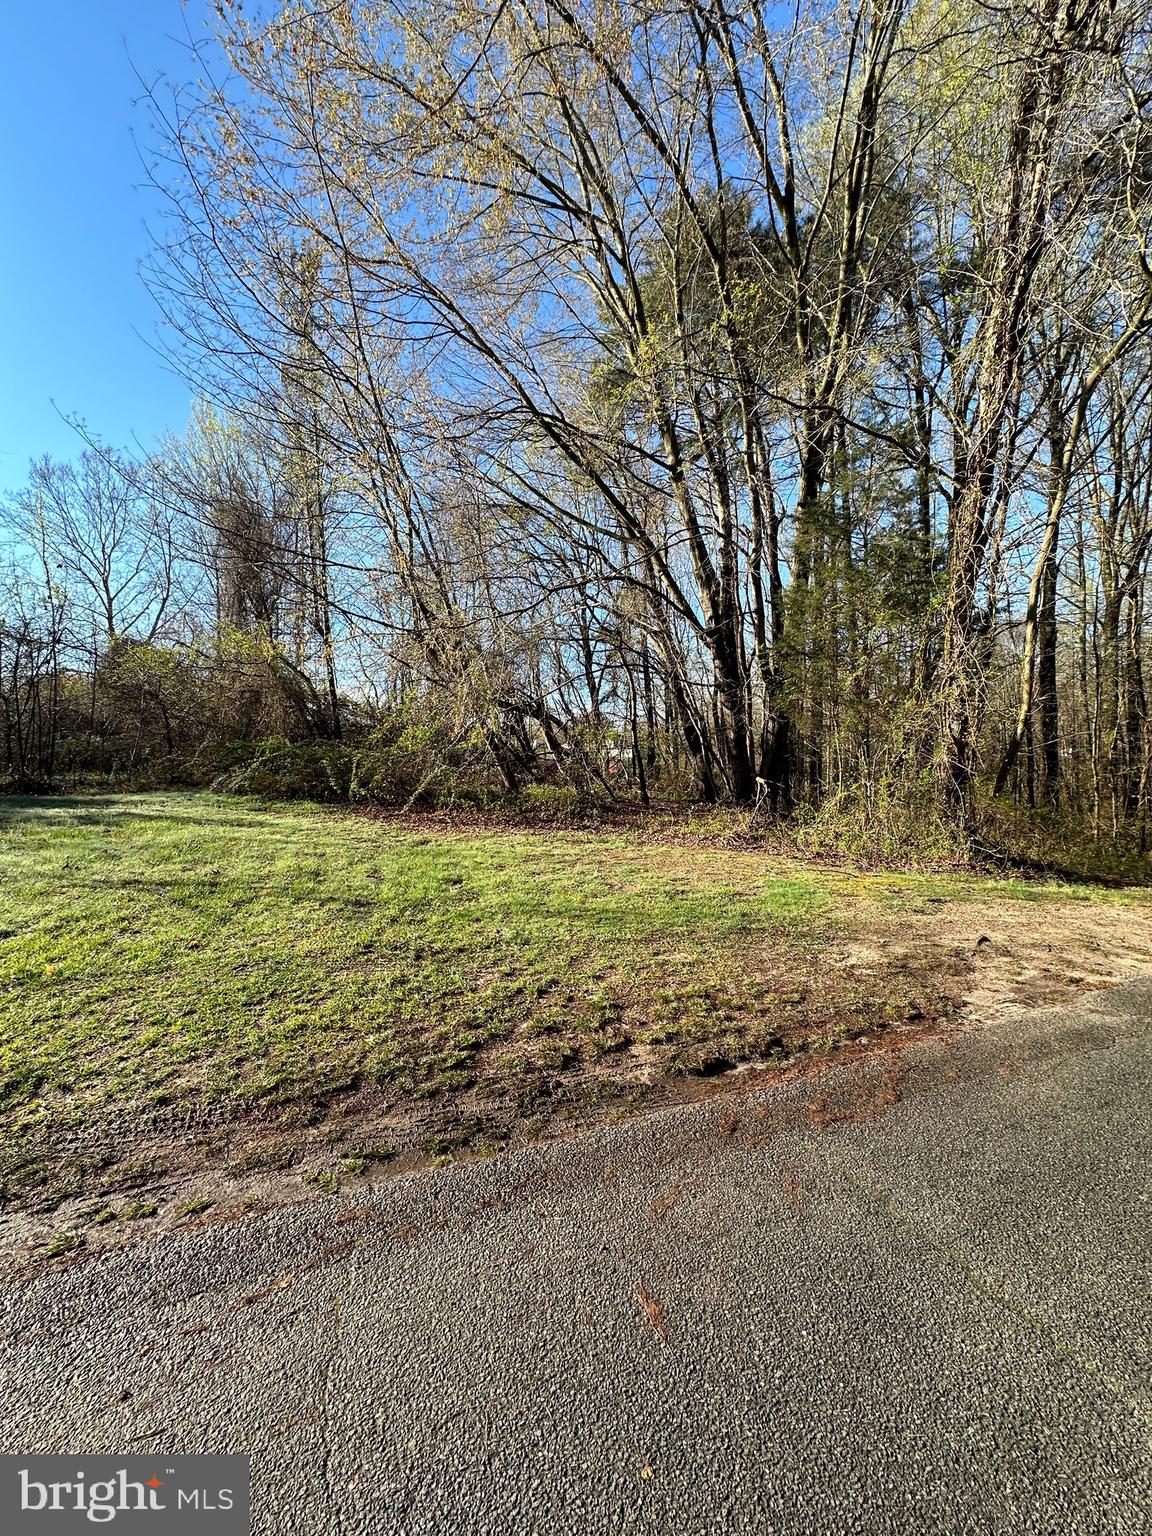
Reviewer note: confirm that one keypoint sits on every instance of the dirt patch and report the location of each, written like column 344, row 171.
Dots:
column 1017, row 955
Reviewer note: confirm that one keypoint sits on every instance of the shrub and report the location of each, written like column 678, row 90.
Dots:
column 886, row 822
column 282, row 770
column 403, row 760
column 554, row 803
column 1063, row 842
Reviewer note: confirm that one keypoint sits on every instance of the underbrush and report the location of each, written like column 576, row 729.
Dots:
column 409, row 766
column 1062, row 843
column 416, row 765
column 885, row 825
column 880, row 826
column 402, row 770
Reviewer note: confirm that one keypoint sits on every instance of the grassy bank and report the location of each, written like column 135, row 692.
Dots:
column 169, row 951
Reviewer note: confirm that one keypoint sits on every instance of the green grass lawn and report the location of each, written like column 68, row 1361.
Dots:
column 186, row 948
column 153, row 945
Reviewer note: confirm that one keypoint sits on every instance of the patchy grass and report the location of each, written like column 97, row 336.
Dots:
column 60, row 1243
column 910, row 891
column 155, row 945
column 171, row 953
column 194, row 1207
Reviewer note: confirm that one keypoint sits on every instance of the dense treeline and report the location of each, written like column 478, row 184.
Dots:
column 669, row 400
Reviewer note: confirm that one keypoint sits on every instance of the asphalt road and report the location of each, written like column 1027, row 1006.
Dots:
column 930, row 1320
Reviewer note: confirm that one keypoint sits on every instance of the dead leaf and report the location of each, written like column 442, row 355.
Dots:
column 654, row 1312
column 269, row 1290
column 663, row 1203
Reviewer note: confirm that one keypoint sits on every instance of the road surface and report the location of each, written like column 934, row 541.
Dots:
column 920, row 1307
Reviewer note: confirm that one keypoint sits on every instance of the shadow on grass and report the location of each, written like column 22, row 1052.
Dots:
column 92, row 810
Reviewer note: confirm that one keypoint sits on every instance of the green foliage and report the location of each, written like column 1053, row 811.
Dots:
column 887, row 822
column 60, row 1243
column 334, row 771
column 195, row 1207
column 151, row 714
column 282, row 770
column 409, row 756
column 677, row 279
column 1060, row 842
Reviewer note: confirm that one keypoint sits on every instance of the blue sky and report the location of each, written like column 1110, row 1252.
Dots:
column 72, row 216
